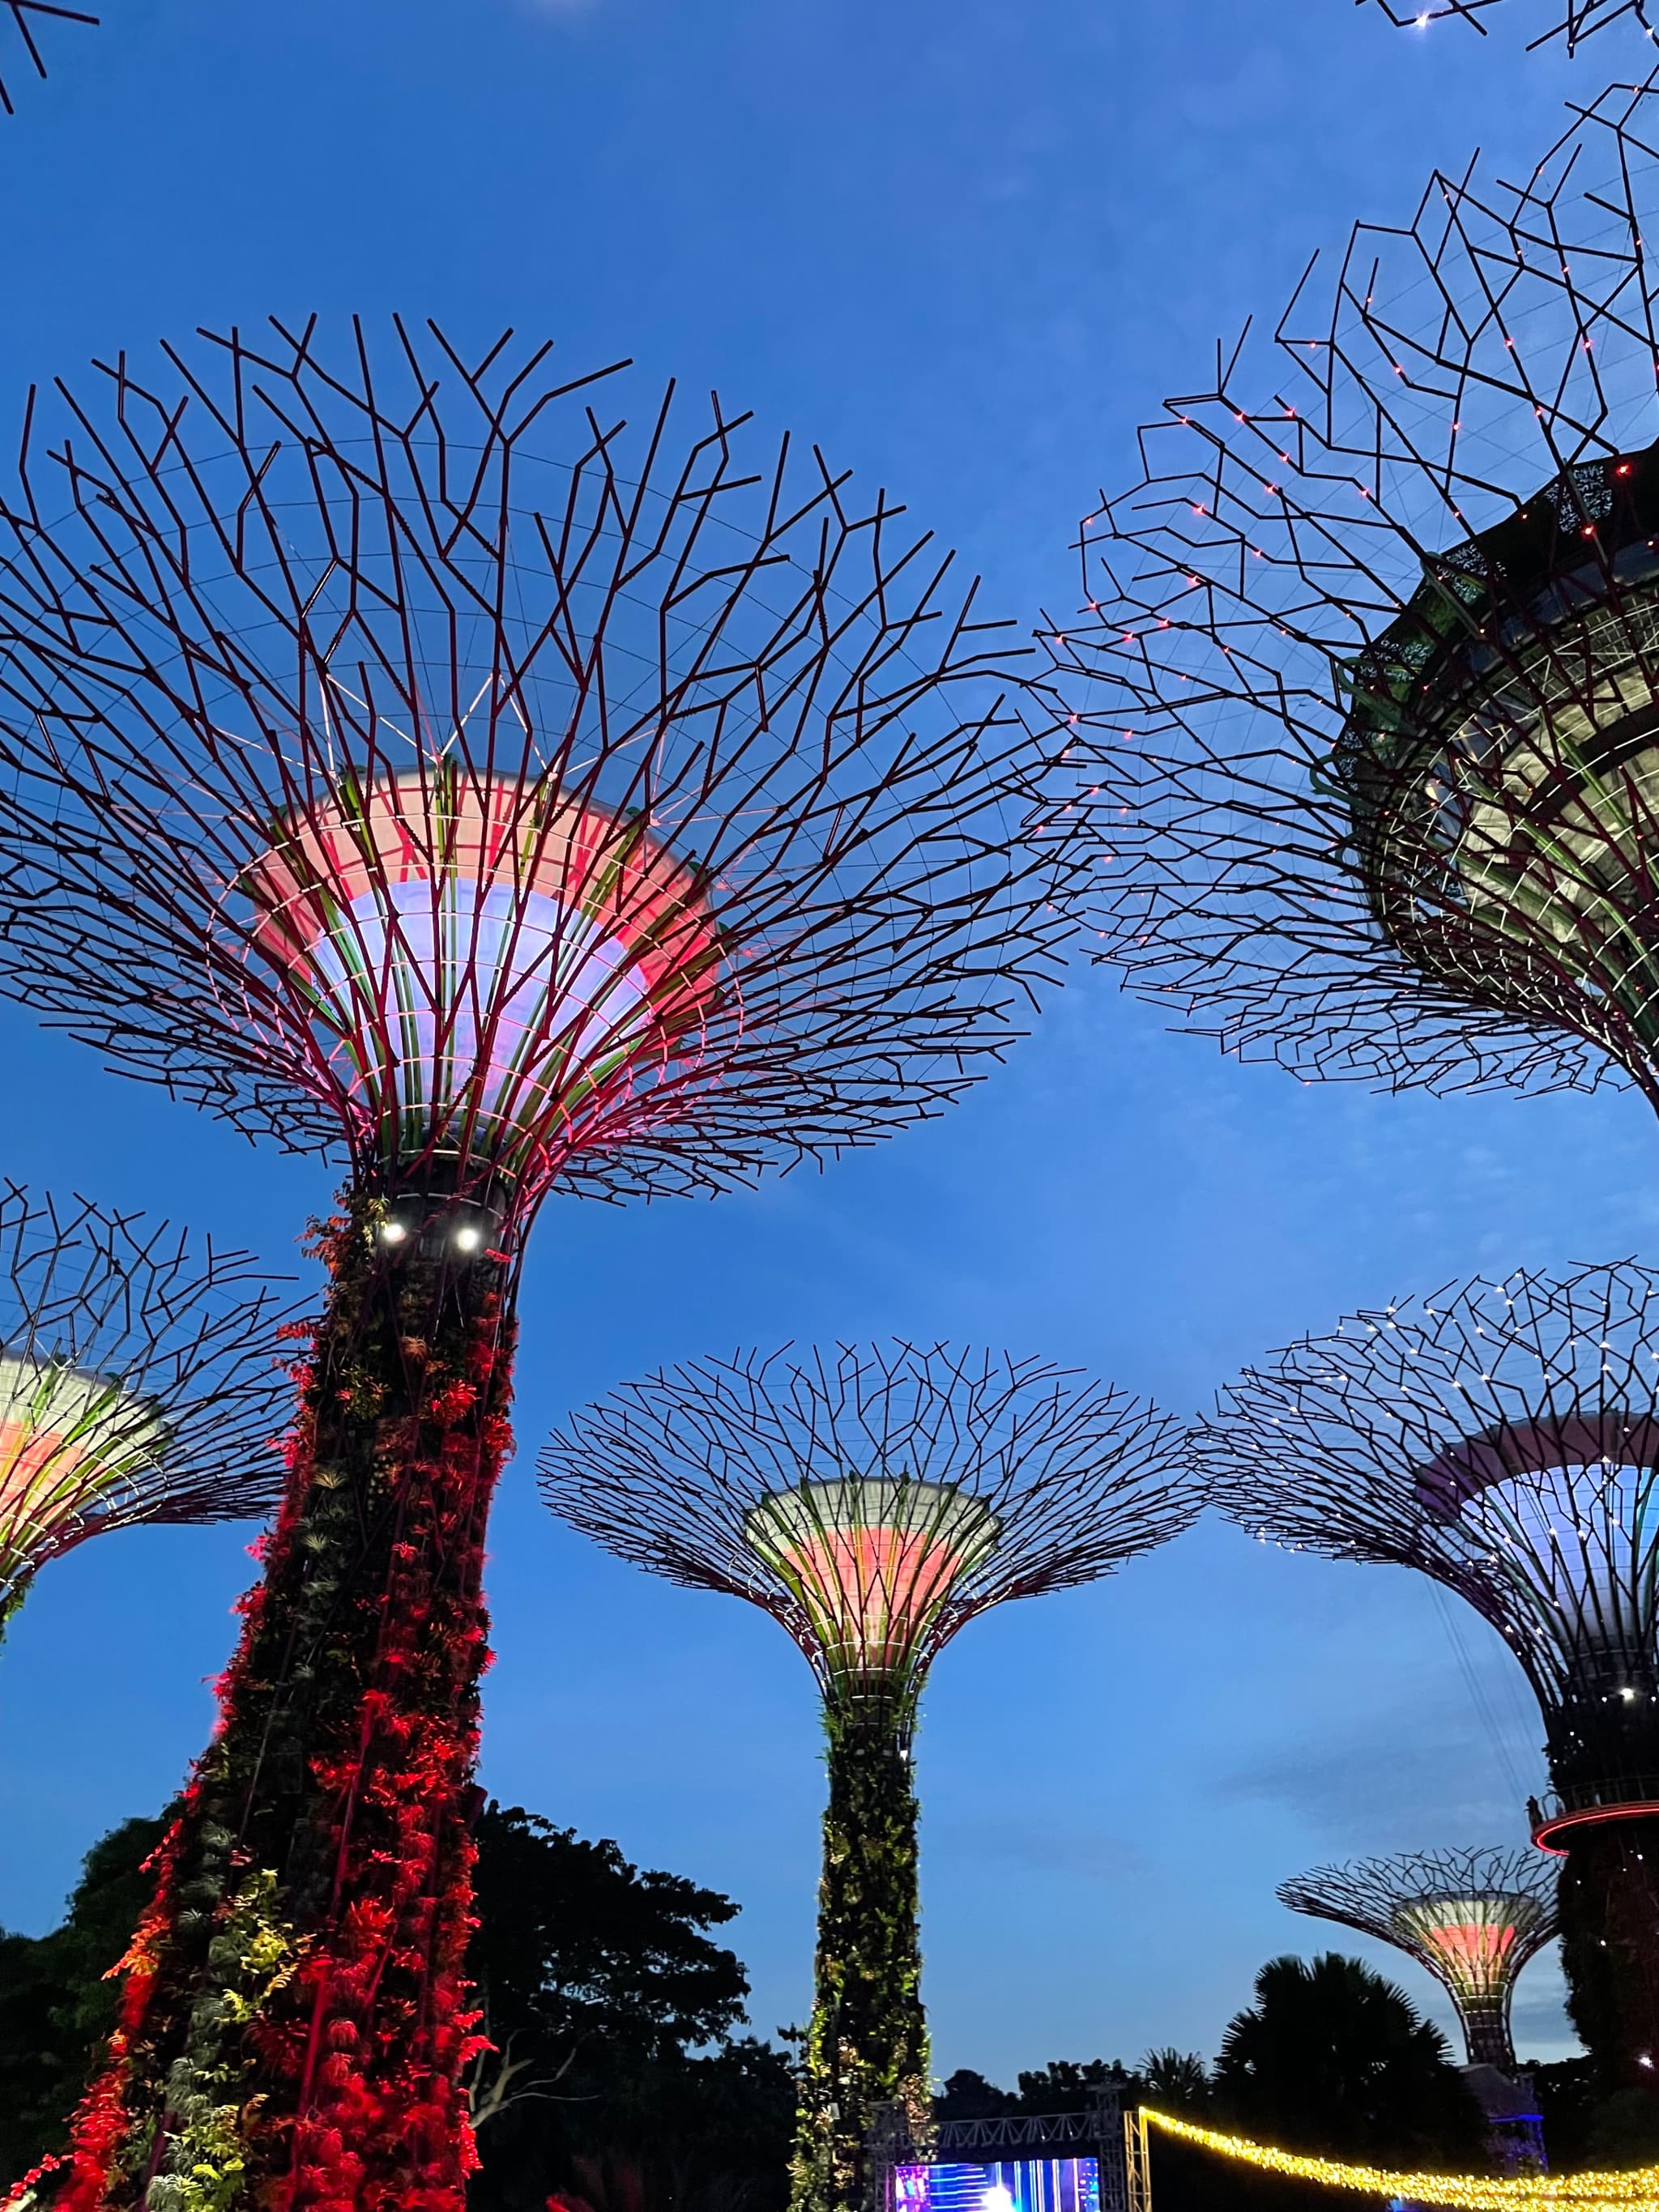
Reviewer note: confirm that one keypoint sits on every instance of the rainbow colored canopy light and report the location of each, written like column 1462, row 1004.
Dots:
column 70, row 1446
column 495, row 971
column 871, row 1562
column 1469, row 1941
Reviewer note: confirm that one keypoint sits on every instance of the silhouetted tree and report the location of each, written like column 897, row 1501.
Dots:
column 1176, row 2081
column 1331, row 2058
column 582, row 1962
column 610, row 2008
column 1068, row 2085
column 55, row 2004
column 602, row 1993
column 969, row 2096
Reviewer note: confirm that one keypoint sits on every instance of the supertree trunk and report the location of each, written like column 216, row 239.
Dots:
column 1487, row 2038
column 867, row 2043
column 295, row 2020
column 1610, row 1947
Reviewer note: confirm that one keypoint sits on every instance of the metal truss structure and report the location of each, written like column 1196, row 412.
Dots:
column 875, row 1499
column 1473, row 1918
column 1581, row 19
column 24, row 18
column 1503, row 1437
column 627, row 819
column 1373, row 644
column 142, row 1379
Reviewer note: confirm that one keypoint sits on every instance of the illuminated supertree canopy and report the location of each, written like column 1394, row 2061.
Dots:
column 412, row 759
column 140, row 1380
column 1580, row 19
column 629, row 822
column 1473, row 1918
column 21, row 24
column 1375, row 637
column 872, row 1500
column 1503, row 1438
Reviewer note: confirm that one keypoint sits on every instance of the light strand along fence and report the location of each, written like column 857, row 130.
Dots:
column 1636, row 2190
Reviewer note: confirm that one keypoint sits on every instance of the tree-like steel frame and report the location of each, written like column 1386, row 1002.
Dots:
column 143, row 1380
column 1503, row 1438
column 26, row 17
column 1509, row 1908
column 1581, row 21
column 1371, row 652
column 872, row 1499
column 619, row 823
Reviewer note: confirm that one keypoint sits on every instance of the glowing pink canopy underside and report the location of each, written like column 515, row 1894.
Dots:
column 871, row 1593
column 1475, row 1952
column 26, row 1454
column 487, row 952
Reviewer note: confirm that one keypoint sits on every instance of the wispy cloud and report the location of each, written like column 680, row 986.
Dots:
column 1389, row 1791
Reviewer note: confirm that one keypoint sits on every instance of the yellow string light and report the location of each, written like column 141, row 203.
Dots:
column 1636, row 2190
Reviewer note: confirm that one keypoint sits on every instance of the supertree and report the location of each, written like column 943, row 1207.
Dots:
column 1474, row 1918
column 1582, row 18
column 1377, row 660
column 872, row 1499
column 1503, row 1437
column 140, row 1380
column 410, row 761
column 25, row 18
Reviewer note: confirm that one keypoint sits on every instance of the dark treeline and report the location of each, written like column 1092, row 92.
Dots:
column 618, row 2079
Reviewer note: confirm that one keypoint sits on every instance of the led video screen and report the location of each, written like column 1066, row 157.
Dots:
column 1004, row 2184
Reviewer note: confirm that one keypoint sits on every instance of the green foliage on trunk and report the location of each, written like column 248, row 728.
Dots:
column 1610, row 1950
column 867, row 2043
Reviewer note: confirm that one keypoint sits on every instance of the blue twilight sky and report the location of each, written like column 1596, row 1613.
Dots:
column 965, row 246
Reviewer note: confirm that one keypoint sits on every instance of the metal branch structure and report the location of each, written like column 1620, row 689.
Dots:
column 1375, row 644
column 20, row 22
column 140, row 1380
column 629, row 822
column 1582, row 19
column 407, row 757
column 872, row 1499
column 1474, row 1919
column 1503, row 1438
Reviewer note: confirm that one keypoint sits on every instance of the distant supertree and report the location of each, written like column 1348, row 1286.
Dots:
column 1503, row 1438
column 1581, row 19
column 1473, row 1918
column 141, row 1380
column 621, row 822
column 1379, row 644
column 22, row 19
column 872, row 1499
